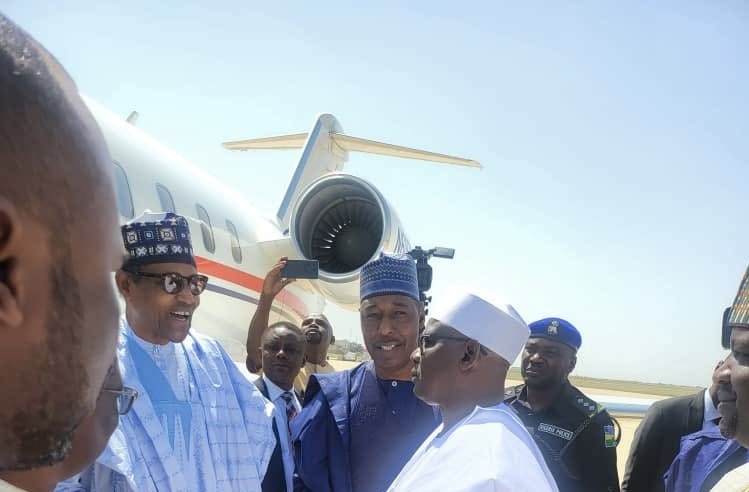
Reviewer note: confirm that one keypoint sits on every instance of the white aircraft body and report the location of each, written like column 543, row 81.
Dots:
column 337, row 218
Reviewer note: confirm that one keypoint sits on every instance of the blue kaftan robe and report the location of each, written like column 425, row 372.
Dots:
column 700, row 455
column 356, row 431
column 198, row 424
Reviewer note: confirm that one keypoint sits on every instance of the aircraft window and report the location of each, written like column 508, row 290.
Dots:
column 124, row 197
column 165, row 198
column 206, row 229
column 236, row 249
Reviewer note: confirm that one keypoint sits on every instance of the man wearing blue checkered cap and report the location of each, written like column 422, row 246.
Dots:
column 575, row 434
column 198, row 425
column 361, row 426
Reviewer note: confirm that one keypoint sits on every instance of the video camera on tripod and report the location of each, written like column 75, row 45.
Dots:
column 424, row 269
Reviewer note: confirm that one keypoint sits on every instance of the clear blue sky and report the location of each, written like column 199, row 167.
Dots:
column 613, row 137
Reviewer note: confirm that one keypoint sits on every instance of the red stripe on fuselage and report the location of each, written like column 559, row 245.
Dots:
column 248, row 281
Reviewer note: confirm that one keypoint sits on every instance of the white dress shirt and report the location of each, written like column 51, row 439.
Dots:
column 274, row 395
column 711, row 413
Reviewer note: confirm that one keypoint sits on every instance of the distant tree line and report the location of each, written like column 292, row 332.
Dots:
column 346, row 350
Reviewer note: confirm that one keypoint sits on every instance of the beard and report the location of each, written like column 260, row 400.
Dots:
column 41, row 433
column 313, row 337
column 728, row 426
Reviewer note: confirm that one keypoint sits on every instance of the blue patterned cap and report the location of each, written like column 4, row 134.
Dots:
column 157, row 238
column 389, row 275
column 556, row 329
column 738, row 316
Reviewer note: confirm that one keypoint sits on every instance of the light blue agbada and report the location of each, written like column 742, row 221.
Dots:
column 197, row 425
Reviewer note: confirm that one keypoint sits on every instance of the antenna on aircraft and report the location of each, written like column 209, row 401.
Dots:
column 132, row 118
column 424, row 270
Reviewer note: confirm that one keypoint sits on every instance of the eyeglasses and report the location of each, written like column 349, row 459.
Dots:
column 173, row 282
column 428, row 341
column 125, row 398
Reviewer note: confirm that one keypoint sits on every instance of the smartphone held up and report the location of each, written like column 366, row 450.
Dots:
column 300, row 269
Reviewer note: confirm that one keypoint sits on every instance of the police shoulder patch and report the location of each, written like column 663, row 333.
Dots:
column 609, row 436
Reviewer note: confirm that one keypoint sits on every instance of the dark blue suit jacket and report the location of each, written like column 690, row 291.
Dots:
column 320, row 433
column 274, row 479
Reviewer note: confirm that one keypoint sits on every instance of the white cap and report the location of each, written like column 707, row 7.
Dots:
column 497, row 327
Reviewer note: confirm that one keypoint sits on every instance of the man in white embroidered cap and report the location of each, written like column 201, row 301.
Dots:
column 461, row 364
column 198, row 425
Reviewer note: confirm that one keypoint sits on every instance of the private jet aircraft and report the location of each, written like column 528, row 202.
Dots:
column 327, row 215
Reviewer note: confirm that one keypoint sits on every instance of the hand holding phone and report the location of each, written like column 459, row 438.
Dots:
column 300, row 269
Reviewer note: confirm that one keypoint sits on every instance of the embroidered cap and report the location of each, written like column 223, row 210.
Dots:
column 738, row 316
column 389, row 275
column 556, row 329
column 496, row 326
column 157, row 238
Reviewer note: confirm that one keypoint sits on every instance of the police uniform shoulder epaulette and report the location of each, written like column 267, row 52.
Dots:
column 586, row 405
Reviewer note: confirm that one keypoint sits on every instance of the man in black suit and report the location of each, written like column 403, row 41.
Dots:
column 282, row 352
column 657, row 438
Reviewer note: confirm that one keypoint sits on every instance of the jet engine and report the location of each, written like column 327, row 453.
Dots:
column 343, row 222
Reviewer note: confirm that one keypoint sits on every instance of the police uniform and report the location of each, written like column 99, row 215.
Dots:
column 575, row 434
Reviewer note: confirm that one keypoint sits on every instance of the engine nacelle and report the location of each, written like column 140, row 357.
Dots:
column 343, row 222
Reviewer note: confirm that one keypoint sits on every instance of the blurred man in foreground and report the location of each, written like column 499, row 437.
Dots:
column 58, row 249
column 89, row 440
column 733, row 388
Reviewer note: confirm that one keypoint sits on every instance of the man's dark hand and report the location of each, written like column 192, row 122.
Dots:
column 273, row 283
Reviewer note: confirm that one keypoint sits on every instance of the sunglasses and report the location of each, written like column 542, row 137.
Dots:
column 125, row 398
column 173, row 282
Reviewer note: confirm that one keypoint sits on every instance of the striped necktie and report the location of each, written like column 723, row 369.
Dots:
column 290, row 408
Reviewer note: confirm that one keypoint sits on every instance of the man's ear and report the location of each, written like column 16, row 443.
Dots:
column 11, row 315
column 332, row 339
column 573, row 363
column 471, row 356
column 125, row 284
column 422, row 317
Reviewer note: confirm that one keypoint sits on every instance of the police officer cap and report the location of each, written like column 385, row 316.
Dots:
column 556, row 329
